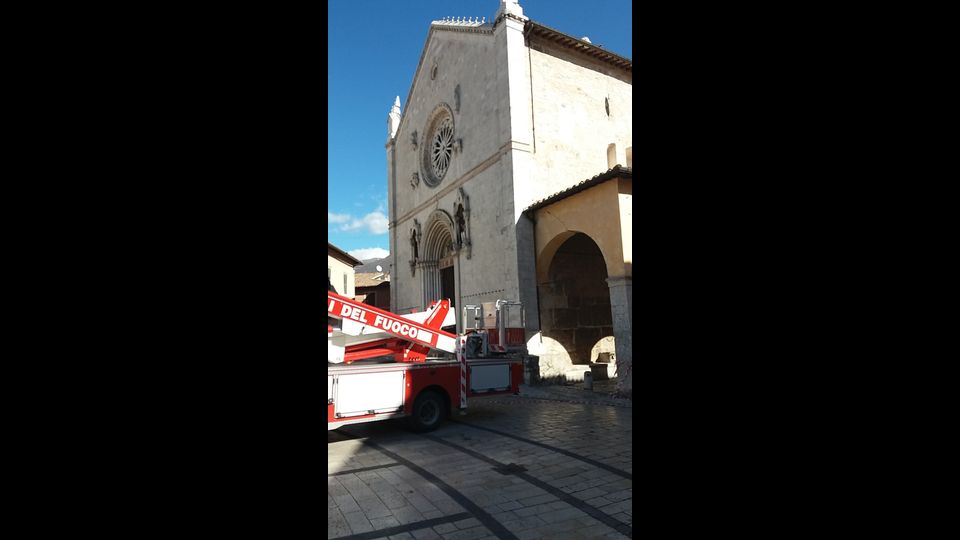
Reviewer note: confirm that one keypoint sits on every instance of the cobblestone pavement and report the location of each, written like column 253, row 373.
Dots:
column 575, row 392
column 549, row 463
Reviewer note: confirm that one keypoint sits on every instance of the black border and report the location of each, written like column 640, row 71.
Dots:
column 185, row 153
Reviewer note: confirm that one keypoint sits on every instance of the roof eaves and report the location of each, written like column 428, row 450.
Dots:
column 579, row 45
column 344, row 255
column 618, row 171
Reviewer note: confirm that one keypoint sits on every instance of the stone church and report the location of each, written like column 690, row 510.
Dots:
column 509, row 175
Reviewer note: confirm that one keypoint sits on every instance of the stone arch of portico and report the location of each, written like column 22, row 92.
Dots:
column 549, row 250
column 438, row 255
column 574, row 299
column 554, row 230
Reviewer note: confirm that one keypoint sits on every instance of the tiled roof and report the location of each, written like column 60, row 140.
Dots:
column 537, row 29
column 371, row 279
column 618, row 171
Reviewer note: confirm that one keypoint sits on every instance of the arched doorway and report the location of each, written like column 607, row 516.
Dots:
column 575, row 309
column 438, row 263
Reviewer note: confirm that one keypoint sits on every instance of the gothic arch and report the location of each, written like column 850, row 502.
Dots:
column 438, row 236
column 439, row 267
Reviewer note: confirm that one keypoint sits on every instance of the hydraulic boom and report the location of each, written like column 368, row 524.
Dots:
column 377, row 332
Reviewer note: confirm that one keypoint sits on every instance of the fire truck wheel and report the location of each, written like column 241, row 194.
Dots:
column 427, row 412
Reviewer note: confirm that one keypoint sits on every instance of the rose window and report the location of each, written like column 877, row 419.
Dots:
column 438, row 147
column 442, row 148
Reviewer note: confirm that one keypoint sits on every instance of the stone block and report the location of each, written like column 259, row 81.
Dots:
column 596, row 315
column 603, row 372
column 565, row 318
column 562, row 338
column 552, row 299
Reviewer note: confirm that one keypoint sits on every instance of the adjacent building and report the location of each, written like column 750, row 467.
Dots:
column 340, row 272
column 373, row 288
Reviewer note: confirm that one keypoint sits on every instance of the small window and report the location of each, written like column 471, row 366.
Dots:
column 345, row 292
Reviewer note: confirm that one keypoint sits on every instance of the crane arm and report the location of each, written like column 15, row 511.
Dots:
column 341, row 307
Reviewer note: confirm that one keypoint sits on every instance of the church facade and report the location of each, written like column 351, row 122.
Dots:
column 502, row 117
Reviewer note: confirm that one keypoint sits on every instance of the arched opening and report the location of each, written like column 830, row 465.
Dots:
column 574, row 306
column 438, row 262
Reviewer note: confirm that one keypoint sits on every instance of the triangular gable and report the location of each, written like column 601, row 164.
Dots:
column 445, row 25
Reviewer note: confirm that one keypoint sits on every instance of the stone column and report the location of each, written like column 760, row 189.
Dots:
column 430, row 279
column 621, row 306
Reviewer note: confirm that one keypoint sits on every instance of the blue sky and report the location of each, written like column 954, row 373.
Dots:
column 374, row 47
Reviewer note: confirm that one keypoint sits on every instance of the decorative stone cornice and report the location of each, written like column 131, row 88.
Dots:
column 464, row 24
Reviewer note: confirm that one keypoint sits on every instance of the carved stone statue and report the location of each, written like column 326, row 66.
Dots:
column 415, row 234
column 413, row 243
column 461, row 222
column 461, row 226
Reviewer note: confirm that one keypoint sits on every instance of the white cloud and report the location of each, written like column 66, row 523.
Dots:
column 365, row 254
column 374, row 223
column 337, row 218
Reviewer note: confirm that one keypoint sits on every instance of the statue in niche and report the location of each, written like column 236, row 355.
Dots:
column 415, row 246
column 461, row 222
column 413, row 139
column 414, row 180
column 461, row 226
column 456, row 99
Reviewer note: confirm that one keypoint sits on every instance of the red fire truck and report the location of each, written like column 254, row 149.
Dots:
column 381, row 365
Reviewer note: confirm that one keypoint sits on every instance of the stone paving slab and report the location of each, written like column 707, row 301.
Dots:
column 517, row 467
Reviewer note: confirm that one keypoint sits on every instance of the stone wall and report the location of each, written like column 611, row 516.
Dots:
column 572, row 128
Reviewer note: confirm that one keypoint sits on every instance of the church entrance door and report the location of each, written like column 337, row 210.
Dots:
column 447, row 288
column 446, row 285
column 440, row 261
